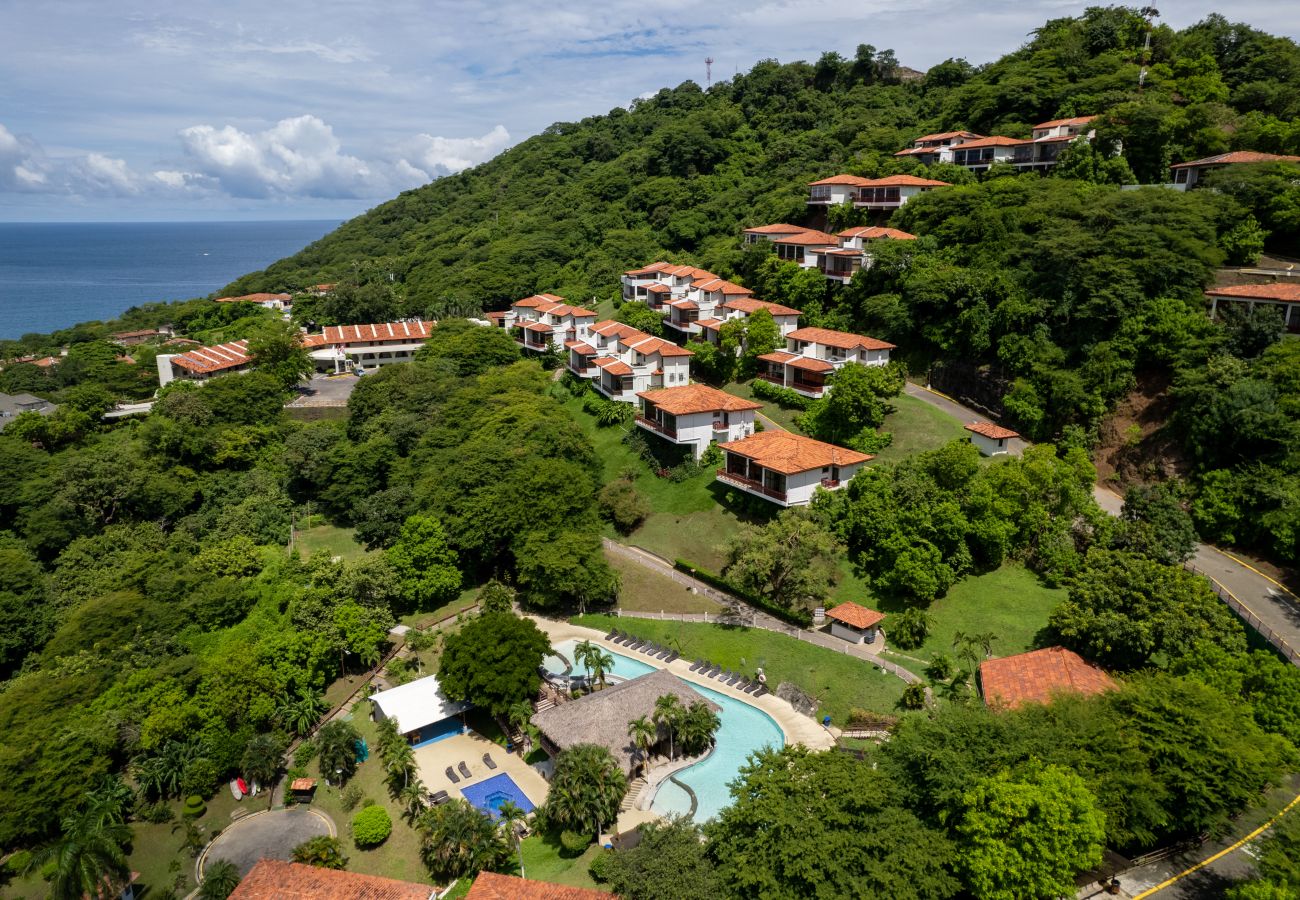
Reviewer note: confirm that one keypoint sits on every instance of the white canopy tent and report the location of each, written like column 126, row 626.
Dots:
column 419, row 709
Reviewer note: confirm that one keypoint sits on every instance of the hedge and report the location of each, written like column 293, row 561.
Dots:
column 793, row 617
column 371, row 826
column 766, row 390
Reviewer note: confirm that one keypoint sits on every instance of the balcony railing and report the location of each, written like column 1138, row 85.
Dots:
column 655, row 425
column 749, row 484
column 719, row 425
column 830, row 483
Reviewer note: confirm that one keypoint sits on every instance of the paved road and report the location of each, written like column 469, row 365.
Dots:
column 1272, row 604
column 266, row 835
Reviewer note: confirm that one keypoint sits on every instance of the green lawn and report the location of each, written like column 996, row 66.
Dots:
column 839, row 682
column 644, row 590
column 917, row 426
column 1011, row 602
column 330, row 539
column 781, row 415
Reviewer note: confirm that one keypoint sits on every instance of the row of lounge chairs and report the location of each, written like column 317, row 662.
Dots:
column 464, row 769
column 631, row 642
column 728, row 677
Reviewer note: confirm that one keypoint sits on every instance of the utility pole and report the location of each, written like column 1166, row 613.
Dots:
column 708, row 71
column 1150, row 13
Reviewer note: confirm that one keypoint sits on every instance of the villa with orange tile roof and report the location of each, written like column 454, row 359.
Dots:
column 854, row 252
column 203, row 363
column 1038, row 677
column 886, row 193
column 701, row 301
column 660, row 282
column 695, row 415
column 990, row 439
column 545, row 322
column 273, row 879
column 760, row 233
column 621, row 361
column 933, row 148
column 787, row 318
column 854, row 623
column 813, row 354
column 802, row 246
column 493, row 886
column 787, row 468
column 266, row 301
column 1281, row 296
column 1187, row 174
column 1038, row 152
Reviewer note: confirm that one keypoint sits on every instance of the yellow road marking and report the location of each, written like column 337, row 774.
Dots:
column 1242, row 562
column 1222, row 853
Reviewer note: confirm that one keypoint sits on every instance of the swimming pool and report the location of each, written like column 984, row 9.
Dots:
column 490, row 794
column 744, row 729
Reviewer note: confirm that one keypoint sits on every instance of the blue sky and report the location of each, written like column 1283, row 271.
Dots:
column 291, row 109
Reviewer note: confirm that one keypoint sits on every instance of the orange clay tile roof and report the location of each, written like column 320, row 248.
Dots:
column 1237, row 157
column 996, row 140
column 657, row 288
column 537, row 300
column 807, row 238
column 536, row 326
column 916, row 151
column 872, row 232
column 203, row 360
column 46, row 361
column 273, row 879
column 989, row 430
column 789, row 453
column 1035, row 676
column 713, row 285
column 256, row 298
column 1284, row 293
column 323, row 288
column 647, row 344
column 683, row 304
column 491, row 886
column 945, row 135
column 807, row 363
column 498, row 315
column 696, row 398
column 385, row 331
column 749, row 305
column 843, row 251
column 1077, row 120
column 776, row 228
column 853, row 180
column 708, row 323
column 648, row 270
column 302, row 784
column 841, row 339
column 851, row 613
column 613, row 366
column 610, row 328
column 312, row 340
column 904, row 181
column 580, row 348
column 681, row 271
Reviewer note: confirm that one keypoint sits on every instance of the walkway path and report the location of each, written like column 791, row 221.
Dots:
column 1270, row 607
column 739, row 612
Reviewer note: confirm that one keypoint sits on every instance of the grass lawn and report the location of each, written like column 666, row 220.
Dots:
column 644, row 590
column 917, row 426
column 838, row 682
column 423, row 619
column 332, row 540
column 781, row 415
column 1011, row 602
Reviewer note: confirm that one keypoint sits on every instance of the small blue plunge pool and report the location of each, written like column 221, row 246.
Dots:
column 490, row 794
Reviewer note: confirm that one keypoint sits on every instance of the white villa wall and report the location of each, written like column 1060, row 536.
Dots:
column 990, row 446
column 844, row 632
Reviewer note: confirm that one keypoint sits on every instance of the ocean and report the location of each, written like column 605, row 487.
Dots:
column 53, row 275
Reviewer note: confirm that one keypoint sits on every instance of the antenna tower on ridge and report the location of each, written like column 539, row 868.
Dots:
column 708, row 71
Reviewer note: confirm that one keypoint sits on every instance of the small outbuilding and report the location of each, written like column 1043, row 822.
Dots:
column 1038, row 676
column 423, row 713
column 855, row 623
column 990, row 439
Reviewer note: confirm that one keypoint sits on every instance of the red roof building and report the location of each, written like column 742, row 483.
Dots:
column 1039, row 676
column 273, row 879
column 854, row 623
column 991, row 439
column 787, row 468
column 1284, row 297
column 492, row 886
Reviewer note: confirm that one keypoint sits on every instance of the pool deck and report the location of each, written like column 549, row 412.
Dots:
column 798, row 729
column 433, row 759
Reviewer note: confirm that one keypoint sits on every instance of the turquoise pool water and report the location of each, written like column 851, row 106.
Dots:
column 744, row 729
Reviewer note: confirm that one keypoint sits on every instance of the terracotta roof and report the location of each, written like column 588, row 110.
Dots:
column 324, row 288
column 1284, row 293
column 989, row 430
column 498, row 316
column 273, row 879
column 696, row 398
column 945, row 135
column 916, row 151
column 203, row 360
column 749, row 305
column 384, row 331
column 46, row 361
column 683, row 304
column 808, row 237
column 1035, row 676
column 648, row 270
column 807, row 363
column 904, row 181
column 708, row 323
column 658, row 288
column 843, row 251
column 1237, row 157
column 873, row 232
column 713, row 285
column 1077, row 120
column 788, row 453
column 580, row 348
column 256, row 298
column 613, row 366
column 996, row 140
column 124, row 335
column 302, row 784
column 777, row 228
column 538, row 300
column 840, row 339
column 610, row 328
column 491, row 886
column 852, row 180
column 851, row 613
column 536, row 326
column 312, row 340
column 687, row 271
column 647, row 344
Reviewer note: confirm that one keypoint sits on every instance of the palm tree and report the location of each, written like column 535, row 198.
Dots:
column 261, row 760
column 599, row 662
column 301, row 713
column 151, row 774
column 412, row 800
column 520, row 715
column 510, row 817
column 220, row 878
column 456, row 839
column 668, row 713
column 973, row 648
column 400, row 766
column 387, row 737
column 586, row 788
column 88, row 856
column 582, row 655
column 338, row 750
column 644, row 735
column 699, row 725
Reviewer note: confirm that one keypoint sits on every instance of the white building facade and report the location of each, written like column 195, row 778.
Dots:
column 695, row 415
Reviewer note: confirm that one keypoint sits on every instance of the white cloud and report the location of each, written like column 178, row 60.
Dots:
column 435, row 156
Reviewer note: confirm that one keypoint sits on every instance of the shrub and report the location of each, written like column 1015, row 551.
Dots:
column 305, row 753
column 940, row 668
column 712, row 456
column 783, row 396
column 201, row 777
column 913, row 697
column 909, row 629
column 371, row 827
column 157, row 813
column 801, row 618
column 18, row 863
column 599, row 868
column 194, row 806
column 323, row 851
column 613, row 412
column 624, row 505
column 350, row 797
column 573, row 843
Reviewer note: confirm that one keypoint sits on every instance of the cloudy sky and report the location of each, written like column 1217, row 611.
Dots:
column 113, row 110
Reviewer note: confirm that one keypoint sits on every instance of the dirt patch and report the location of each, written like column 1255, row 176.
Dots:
column 1136, row 446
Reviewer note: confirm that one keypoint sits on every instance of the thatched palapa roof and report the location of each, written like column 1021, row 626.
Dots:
column 601, row 717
